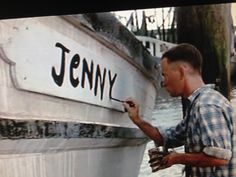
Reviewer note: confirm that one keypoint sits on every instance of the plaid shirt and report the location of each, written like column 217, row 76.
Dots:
column 207, row 127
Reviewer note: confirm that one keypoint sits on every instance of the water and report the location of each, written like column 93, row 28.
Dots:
column 167, row 112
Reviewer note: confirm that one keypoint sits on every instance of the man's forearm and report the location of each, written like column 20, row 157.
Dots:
column 197, row 160
column 151, row 131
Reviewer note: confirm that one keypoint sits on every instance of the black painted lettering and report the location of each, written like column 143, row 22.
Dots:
column 101, row 81
column 73, row 65
column 111, row 82
column 58, row 78
column 86, row 68
column 88, row 72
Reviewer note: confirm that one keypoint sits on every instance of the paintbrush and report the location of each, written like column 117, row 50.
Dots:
column 131, row 104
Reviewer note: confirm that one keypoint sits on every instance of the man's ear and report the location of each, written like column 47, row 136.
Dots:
column 183, row 71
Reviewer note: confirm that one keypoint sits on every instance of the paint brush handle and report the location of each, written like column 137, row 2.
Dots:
column 115, row 99
column 131, row 104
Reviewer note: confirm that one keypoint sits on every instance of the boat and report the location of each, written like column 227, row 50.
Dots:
column 62, row 83
column 155, row 46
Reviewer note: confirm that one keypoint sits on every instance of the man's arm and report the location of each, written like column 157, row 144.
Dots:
column 194, row 159
column 133, row 111
column 151, row 131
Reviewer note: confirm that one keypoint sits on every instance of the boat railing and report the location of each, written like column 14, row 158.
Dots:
column 155, row 46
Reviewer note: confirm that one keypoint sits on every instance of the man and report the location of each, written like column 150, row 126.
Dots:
column 207, row 130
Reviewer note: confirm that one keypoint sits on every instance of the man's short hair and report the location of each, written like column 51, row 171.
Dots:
column 187, row 53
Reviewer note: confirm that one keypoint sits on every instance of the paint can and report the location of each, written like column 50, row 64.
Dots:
column 156, row 156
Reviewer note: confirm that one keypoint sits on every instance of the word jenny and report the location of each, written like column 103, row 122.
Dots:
column 93, row 74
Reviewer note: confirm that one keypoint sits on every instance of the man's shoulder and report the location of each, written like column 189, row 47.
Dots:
column 212, row 97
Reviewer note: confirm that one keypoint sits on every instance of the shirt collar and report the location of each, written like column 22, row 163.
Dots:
column 199, row 90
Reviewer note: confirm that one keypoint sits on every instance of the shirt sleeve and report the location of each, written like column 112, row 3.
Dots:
column 215, row 130
column 174, row 136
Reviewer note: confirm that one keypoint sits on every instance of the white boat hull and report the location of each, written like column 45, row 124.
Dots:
column 67, row 127
column 116, row 162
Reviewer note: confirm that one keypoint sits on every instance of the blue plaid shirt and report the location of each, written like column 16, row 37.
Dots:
column 207, row 127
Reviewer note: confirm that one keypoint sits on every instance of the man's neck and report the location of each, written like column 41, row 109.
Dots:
column 192, row 84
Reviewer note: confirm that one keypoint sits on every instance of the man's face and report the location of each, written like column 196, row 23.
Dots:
column 172, row 78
